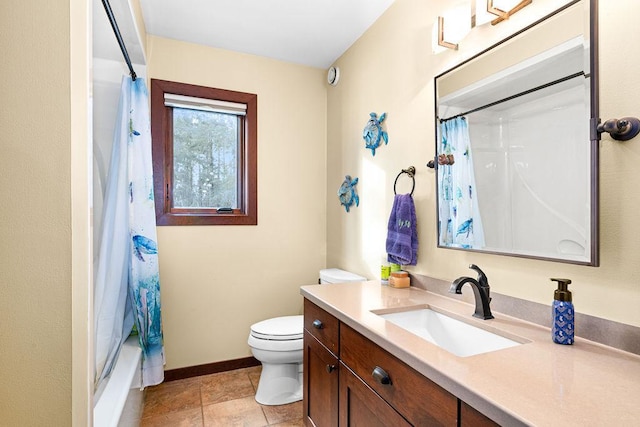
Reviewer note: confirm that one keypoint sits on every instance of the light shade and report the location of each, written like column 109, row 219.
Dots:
column 479, row 13
column 451, row 27
column 506, row 5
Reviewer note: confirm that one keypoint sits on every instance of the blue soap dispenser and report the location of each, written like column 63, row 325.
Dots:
column 562, row 330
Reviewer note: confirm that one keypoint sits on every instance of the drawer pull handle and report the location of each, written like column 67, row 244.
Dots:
column 318, row 324
column 381, row 376
column 331, row 368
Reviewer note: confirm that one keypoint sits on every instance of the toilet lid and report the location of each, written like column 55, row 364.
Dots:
column 279, row 328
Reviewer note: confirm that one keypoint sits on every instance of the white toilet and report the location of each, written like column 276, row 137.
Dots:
column 277, row 344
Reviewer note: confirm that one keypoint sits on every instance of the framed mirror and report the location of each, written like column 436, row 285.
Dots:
column 516, row 146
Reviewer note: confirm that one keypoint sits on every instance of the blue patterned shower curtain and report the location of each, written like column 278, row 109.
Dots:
column 127, row 284
column 460, row 224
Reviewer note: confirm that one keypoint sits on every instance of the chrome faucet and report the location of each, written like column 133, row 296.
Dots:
column 480, row 291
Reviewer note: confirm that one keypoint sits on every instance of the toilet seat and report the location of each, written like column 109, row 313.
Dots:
column 278, row 334
column 284, row 328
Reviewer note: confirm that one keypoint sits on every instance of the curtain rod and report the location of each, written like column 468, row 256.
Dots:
column 517, row 95
column 116, row 31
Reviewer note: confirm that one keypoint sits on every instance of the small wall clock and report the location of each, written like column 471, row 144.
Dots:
column 333, row 75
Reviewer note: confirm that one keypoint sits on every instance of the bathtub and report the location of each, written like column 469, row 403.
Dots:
column 121, row 401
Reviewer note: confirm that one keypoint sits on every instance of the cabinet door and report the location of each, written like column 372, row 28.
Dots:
column 469, row 417
column 361, row 406
column 320, row 373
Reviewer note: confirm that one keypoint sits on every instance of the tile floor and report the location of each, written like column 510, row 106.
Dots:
column 223, row 399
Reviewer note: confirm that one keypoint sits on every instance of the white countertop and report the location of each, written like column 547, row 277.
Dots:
column 537, row 383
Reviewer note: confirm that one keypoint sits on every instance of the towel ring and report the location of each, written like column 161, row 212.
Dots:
column 411, row 171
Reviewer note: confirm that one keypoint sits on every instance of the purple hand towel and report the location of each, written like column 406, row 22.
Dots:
column 402, row 235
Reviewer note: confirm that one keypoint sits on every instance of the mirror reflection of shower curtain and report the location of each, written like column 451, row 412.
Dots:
column 459, row 224
column 127, row 286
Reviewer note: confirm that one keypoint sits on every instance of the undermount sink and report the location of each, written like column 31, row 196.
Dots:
column 453, row 335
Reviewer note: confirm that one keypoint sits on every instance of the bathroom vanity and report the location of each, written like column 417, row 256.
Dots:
column 351, row 383
column 362, row 369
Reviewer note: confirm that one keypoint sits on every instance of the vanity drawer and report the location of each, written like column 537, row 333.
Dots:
column 321, row 325
column 418, row 399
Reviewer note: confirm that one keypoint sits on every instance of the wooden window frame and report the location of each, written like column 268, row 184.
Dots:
column 162, row 152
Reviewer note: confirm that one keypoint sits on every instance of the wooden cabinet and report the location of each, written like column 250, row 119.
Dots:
column 351, row 381
column 418, row 399
column 361, row 406
column 320, row 384
column 470, row 417
column 322, row 325
column 321, row 368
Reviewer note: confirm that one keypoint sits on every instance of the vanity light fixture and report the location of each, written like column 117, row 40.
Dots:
column 503, row 9
column 459, row 21
column 458, row 26
column 479, row 13
column 441, row 41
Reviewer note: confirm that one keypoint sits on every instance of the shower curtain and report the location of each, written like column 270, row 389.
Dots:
column 127, row 285
column 460, row 224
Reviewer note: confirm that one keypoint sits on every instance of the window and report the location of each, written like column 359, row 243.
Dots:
column 204, row 155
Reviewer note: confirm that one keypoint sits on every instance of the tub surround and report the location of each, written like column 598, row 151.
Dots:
column 536, row 383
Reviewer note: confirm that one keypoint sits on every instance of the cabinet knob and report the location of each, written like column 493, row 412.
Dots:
column 381, row 376
column 318, row 324
column 331, row 368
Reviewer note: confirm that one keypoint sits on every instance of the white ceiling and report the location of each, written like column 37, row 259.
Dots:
column 308, row 32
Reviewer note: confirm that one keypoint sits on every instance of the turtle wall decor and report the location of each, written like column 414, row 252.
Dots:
column 347, row 193
column 373, row 133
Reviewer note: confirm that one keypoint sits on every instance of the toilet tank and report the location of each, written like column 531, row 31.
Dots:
column 335, row 275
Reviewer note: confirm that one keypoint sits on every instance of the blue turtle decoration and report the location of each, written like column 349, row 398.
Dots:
column 373, row 132
column 347, row 192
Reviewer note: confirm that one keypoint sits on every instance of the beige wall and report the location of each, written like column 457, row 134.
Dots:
column 35, row 215
column 218, row 280
column 391, row 69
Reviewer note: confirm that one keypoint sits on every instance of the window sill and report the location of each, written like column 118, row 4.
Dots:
column 210, row 219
